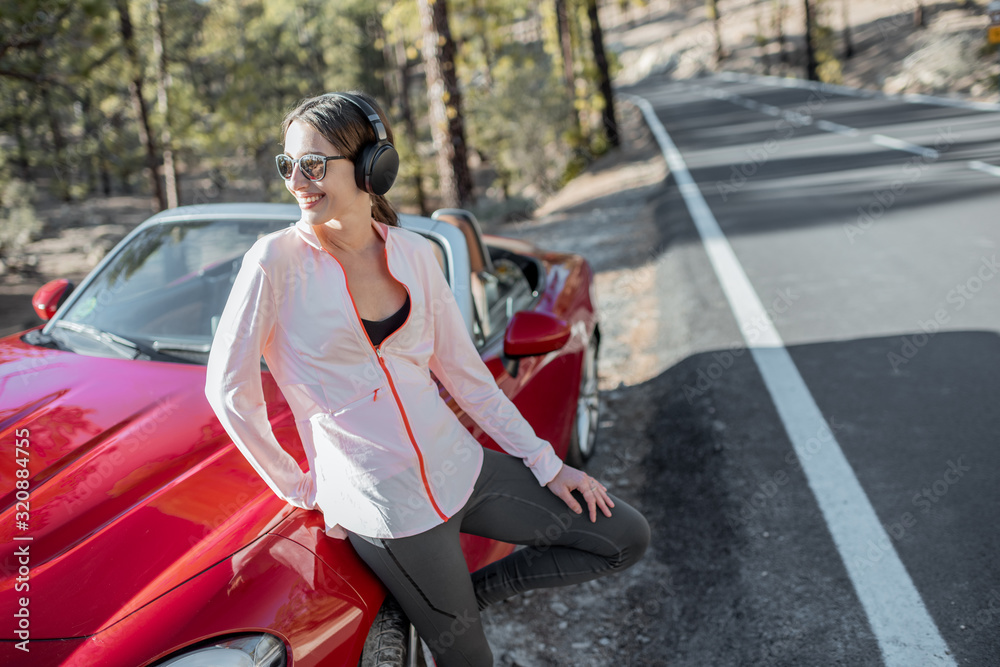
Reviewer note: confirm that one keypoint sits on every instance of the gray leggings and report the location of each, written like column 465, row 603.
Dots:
column 428, row 575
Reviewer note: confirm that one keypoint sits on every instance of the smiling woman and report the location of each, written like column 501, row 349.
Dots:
column 390, row 465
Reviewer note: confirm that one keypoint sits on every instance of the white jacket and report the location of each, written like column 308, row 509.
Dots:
column 387, row 456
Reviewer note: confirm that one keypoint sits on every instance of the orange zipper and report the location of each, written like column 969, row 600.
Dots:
column 388, row 377
column 409, row 432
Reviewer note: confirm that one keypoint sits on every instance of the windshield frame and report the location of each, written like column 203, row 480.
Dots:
column 440, row 234
column 163, row 218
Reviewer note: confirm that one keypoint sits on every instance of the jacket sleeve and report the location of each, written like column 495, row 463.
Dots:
column 461, row 370
column 234, row 389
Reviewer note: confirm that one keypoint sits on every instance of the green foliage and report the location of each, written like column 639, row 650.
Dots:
column 828, row 66
column 519, row 125
column 237, row 66
column 49, row 52
column 19, row 225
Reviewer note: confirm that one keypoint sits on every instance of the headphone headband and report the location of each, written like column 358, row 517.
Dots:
column 368, row 111
column 377, row 164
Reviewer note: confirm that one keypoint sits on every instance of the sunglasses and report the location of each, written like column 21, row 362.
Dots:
column 312, row 167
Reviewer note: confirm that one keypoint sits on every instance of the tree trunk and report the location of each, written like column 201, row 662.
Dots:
column 565, row 46
column 138, row 103
column 810, row 47
column 90, row 130
column 779, row 24
column 162, row 102
column 105, row 173
column 604, row 75
column 61, row 167
column 22, row 160
column 447, row 124
column 564, row 30
column 390, row 74
column 848, row 44
column 401, row 84
column 484, row 38
column 918, row 15
column 713, row 13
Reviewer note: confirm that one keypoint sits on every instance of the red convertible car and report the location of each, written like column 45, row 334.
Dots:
column 134, row 532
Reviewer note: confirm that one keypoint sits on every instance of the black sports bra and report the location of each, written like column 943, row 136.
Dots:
column 379, row 331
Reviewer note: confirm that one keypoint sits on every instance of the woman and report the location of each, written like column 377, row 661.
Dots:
column 351, row 312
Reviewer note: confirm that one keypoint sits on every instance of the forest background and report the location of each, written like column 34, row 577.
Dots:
column 113, row 109
column 181, row 99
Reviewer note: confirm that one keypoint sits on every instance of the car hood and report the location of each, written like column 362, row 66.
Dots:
column 132, row 486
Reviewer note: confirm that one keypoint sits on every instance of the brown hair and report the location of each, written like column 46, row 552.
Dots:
column 345, row 126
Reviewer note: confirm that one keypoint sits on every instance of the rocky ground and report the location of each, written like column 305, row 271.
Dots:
column 947, row 55
column 604, row 214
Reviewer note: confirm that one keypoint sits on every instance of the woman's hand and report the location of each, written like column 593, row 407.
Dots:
column 569, row 479
column 337, row 532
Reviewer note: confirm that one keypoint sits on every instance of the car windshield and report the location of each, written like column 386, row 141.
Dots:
column 162, row 294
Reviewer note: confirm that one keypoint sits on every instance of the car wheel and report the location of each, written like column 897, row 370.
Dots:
column 583, row 438
column 392, row 641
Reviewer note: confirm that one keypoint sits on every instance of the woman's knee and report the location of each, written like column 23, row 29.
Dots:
column 633, row 536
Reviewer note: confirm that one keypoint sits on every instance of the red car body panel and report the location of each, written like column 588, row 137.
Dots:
column 149, row 531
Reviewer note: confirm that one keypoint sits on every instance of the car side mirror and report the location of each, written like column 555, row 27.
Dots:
column 50, row 296
column 530, row 333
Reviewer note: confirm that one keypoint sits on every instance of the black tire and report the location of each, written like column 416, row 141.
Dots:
column 389, row 639
column 583, row 437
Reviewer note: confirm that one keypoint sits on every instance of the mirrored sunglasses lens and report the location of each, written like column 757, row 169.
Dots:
column 312, row 167
column 285, row 165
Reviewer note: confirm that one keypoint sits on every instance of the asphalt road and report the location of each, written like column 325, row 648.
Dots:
column 867, row 227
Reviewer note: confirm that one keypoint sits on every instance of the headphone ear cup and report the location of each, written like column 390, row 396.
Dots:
column 362, row 166
column 377, row 163
column 382, row 168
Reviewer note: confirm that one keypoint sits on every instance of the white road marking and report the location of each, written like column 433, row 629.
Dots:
column 900, row 145
column 910, row 98
column 830, row 126
column 799, row 120
column 905, row 631
column 796, row 118
column 914, row 98
column 770, row 110
column 985, row 167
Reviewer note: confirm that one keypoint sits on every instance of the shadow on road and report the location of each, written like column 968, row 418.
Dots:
column 754, row 575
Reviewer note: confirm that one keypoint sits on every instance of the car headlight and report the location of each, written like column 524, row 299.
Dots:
column 245, row 651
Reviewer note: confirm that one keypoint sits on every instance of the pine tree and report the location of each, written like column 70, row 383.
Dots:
column 604, row 75
column 811, row 64
column 447, row 124
column 135, row 80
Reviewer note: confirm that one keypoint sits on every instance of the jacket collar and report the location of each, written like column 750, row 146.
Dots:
column 307, row 234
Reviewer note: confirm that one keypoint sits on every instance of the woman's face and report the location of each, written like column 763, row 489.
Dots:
column 336, row 196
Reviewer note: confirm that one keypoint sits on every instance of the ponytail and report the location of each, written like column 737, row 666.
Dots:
column 383, row 211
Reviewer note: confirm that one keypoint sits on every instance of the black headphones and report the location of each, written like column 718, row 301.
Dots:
column 377, row 163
